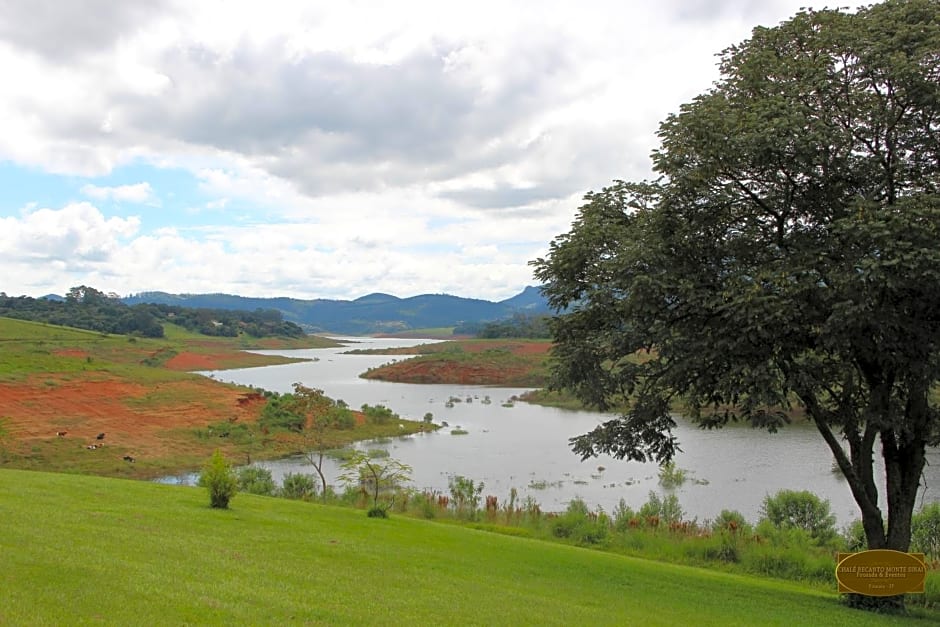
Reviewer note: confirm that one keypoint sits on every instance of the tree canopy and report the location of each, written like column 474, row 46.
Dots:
column 87, row 308
column 785, row 260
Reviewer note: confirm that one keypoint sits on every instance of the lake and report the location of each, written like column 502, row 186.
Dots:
column 526, row 446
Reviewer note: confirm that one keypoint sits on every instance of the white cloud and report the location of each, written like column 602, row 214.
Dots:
column 78, row 235
column 139, row 193
column 339, row 148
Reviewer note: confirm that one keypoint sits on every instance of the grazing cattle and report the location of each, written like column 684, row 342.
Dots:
column 92, row 447
column 61, row 434
column 128, row 458
column 100, row 436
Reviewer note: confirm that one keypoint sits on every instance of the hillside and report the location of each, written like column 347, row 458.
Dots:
column 119, row 552
column 507, row 363
column 373, row 313
column 61, row 387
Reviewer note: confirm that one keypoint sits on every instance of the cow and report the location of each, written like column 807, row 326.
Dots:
column 100, row 436
column 61, row 434
column 128, row 458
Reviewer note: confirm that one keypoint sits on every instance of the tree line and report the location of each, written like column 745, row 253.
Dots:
column 88, row 308
column 519, row 325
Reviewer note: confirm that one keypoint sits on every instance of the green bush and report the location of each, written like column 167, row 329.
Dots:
column 925, row 531
column 278, row 413
column 665, row 510
column 299, row 486
column 791, row 509
column 219, row 478
column 377, row 511
column 465, row 496
column 255, row 480
column 853, row 537
column 341, row 417
column 578, row 523
column 624, row 517
column 378, row 414
column 731, row 520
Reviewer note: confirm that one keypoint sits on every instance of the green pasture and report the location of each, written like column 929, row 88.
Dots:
column 29, row 348
column 89, row 550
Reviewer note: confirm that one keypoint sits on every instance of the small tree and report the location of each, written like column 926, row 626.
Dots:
column 791, row 509
column 465, row 495
column 255, row 480
column 319, row 414
column 219, row 478
column 375, row 477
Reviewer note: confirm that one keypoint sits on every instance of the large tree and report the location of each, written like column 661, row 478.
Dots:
column 786, row 260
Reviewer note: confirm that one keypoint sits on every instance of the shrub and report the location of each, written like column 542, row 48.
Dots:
column 377, row 511
column 465, row 495
column 340, row 417
column 791, row 509
column 424, row 504
column 853, row 537
column 663, row 510
column 925, row 531
column 624, row 517
column 299, row 486
column 255, row 480
column 731, row 520
column 219, row 478
column 279, row 413
column 378, row 414
column 580, row 524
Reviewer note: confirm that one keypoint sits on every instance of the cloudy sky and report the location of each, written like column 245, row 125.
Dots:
column 328, row 149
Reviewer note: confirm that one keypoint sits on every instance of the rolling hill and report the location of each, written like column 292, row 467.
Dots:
column 373, row 313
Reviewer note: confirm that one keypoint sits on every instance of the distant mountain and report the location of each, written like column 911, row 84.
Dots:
column 530, row 300
column 374, row 313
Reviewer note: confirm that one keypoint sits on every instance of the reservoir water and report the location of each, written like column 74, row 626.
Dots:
column 526, row 446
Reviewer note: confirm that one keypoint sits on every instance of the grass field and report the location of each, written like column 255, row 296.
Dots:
column 88, row 550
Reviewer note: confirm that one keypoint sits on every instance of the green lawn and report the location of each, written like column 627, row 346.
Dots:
column 79, row 549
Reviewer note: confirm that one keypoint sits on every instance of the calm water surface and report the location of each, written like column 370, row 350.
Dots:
column 526, row 446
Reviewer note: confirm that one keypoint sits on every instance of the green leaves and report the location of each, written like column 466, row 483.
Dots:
column 788, row 255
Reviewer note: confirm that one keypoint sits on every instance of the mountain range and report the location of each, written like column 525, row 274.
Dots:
column 374, row 313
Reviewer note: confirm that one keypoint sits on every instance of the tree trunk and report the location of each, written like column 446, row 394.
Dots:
column 903, row 465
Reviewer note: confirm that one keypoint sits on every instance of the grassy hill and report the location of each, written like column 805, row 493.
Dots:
column 90, row 550
column 501, row 362
column 62, row 387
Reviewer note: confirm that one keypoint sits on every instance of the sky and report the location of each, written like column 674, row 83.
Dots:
column 329, row 149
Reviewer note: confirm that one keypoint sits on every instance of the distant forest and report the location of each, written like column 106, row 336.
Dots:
column 87, row 308
column 519, row 325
